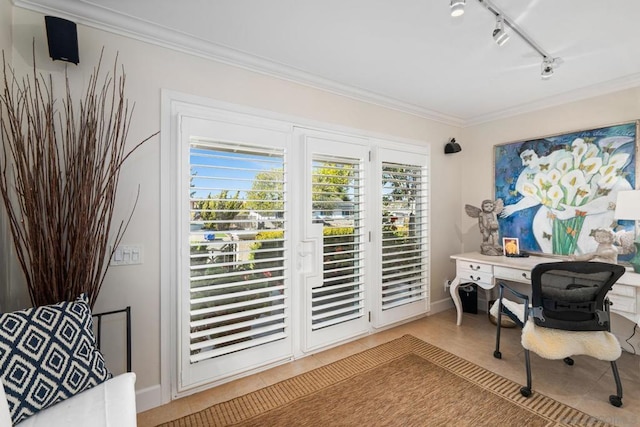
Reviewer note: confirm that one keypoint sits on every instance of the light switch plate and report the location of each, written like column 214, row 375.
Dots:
column 127, row 255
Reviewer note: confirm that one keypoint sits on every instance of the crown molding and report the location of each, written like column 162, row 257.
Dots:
column 95, row 16
column 92, row 15
column 611, row 86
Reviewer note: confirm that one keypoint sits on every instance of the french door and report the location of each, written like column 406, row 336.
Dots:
column 403, row 249
column 235, row 275
column 334, row 245
column 287, row 240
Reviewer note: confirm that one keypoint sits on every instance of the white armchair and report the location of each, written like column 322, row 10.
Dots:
column 53, row 374
column 109, row 404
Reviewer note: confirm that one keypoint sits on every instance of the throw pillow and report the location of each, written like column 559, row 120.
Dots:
column 48, row 354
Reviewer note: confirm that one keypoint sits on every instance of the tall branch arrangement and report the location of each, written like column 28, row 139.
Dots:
column 59, row 178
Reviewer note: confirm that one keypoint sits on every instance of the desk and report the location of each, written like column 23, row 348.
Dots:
column 483, row 270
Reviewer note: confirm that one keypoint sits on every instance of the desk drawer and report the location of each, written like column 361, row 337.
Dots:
column 621, row 303
column 522, row 276
column 624, row 290
column 474, row 266
column 474, row 276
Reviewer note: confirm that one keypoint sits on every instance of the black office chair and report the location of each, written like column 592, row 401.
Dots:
column 568, row 315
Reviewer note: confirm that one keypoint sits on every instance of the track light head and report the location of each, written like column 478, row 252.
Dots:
column 547, row 68
column 457, row 7
column 499, row 35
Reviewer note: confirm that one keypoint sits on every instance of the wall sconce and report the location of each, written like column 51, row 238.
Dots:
column 452, row 147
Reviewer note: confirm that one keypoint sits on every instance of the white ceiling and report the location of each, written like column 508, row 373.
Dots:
column 407, row 54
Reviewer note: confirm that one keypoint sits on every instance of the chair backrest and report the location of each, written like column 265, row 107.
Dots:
column 570, row 294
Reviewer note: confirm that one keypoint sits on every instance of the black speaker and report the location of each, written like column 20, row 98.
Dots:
column 63, row 39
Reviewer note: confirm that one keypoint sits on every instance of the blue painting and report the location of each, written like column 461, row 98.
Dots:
column 558, row 190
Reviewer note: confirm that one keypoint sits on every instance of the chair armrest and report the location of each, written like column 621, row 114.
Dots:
column 109, row 404
column 5, row 415
column 518, row 312
column 514, row 292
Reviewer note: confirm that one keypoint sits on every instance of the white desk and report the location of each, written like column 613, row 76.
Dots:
column 483, row 270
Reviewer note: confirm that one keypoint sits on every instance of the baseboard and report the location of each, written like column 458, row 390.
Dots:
column 441, row 305
column 148, row 398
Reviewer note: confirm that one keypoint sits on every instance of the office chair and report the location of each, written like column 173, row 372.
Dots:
column 568, row 315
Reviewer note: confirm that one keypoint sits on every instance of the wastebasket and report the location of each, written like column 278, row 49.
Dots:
column 469, row 296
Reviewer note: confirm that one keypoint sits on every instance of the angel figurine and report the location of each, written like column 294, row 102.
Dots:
column 488, row 222
column 605, row 252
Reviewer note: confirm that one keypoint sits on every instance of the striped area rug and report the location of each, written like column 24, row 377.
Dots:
column 405, row 382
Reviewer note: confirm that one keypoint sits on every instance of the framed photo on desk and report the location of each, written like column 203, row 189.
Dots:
column 510, row 246
column 558, row 189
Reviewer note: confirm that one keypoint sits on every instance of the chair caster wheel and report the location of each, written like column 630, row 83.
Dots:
column 568, row 361
column 615, row 400
column 525, row 391
column 497, row 354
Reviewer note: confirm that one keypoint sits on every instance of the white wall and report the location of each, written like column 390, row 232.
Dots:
column 149, row 69
column 618, row 107
column 6, row 15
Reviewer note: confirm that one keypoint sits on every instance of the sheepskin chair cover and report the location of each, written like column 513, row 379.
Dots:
column 558, row 344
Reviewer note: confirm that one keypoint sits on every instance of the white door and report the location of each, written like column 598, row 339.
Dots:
column 402, row 250
column 332, row 252
column 234, row 277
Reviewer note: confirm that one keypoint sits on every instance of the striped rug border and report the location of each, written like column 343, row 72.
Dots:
column 260, row 401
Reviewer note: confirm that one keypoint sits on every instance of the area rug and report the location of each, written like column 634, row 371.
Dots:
column 405, row 382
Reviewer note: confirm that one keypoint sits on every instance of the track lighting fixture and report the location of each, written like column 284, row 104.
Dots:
column 457, row 7
column 549, row 63
column 499, row 35
column 547, row 68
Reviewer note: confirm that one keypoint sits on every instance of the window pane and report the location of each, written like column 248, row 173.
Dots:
column 403, row 239
column 237, row 247
column 337, row 204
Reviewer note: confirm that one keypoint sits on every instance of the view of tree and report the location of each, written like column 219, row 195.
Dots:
column 219, row 208
column 266, row 194
column 331, row 185
column 192, row 194
column 403, row 184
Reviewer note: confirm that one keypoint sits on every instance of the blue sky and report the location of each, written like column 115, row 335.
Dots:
column 238, row 169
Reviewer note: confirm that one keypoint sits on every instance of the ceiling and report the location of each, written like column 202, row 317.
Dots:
column 406, row 54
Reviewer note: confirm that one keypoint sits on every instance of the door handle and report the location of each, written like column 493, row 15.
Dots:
column 303, row 253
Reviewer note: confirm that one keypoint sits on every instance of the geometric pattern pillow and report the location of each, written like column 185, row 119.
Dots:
column 48, row 354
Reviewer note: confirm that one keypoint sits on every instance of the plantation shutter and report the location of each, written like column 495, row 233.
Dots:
column 237, row 242
column 404, row 240
column 337, row 193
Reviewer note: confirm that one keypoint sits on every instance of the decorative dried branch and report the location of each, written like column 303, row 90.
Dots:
column 59, row 178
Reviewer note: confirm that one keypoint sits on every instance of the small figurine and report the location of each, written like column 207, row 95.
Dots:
column 605, row 252
column 488, row 223
column 623, row 240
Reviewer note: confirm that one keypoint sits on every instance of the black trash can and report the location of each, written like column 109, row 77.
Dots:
column 469, row 296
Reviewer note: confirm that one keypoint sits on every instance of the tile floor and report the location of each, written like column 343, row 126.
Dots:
column 585, row 386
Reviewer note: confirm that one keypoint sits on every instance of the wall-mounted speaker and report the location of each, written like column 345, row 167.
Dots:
column 62, row 37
